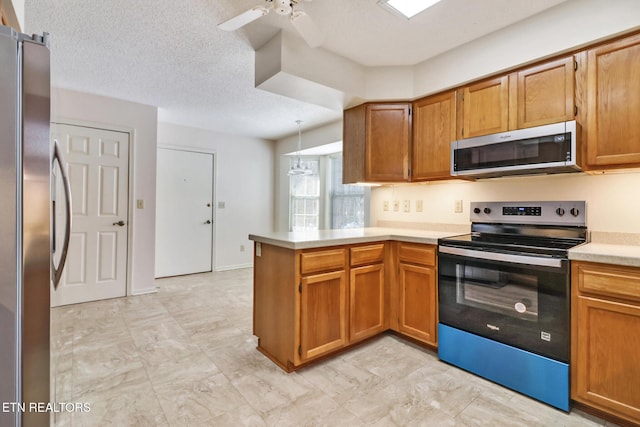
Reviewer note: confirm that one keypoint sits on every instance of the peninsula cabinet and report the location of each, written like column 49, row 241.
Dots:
column 417, row 278
column 323, row 301
column 376, row 140
column 311, row 302
column 434, row 128
column 606, row 339
column 613, row 104
column 533, row 96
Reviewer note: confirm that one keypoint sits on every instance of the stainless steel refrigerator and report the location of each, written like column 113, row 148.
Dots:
column 26, row 223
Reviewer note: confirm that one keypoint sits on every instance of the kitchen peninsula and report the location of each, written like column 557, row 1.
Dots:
column 316, row 293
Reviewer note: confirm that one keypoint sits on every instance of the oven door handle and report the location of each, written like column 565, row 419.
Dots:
column 496, row 256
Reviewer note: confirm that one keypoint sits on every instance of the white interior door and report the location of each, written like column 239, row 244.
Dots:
column 98, row 165
column 184, row 212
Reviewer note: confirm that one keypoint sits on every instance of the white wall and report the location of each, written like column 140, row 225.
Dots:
column 568, row 26
column 244, row 180
column 613, row 200
column 141, row 120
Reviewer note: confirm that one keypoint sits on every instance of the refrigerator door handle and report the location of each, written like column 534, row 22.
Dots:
column 57, row 271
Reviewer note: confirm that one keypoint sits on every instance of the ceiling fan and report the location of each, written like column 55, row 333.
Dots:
column 299, row 19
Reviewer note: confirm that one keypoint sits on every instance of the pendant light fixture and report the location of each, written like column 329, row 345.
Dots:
column 297, row 168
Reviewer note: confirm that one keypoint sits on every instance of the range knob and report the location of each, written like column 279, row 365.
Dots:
column 476, row 210
column 487, row 210
column 575, row 211
column 560, row 211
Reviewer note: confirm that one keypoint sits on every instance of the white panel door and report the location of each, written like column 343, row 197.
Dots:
column 98, row 165
column 184, row 212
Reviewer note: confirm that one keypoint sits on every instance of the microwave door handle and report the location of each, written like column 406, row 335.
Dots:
column 57, row 271
column 496, row 256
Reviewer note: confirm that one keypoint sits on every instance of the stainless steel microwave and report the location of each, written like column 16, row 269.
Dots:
column 542, row 149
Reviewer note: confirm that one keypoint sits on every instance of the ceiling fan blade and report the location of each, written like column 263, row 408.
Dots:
column 306, row 28
column 244, row 18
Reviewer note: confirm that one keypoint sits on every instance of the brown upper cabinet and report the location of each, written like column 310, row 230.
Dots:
column 613, row 104
column 533, row 96
column 434, row 128
column 484, row 108
column 376, row 142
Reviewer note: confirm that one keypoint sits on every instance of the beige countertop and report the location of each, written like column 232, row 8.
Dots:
column 609, row 248
column 604, row 247
column 322, row 238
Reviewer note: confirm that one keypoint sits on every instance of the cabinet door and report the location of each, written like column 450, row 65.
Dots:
column 605, row 369
column 323, row 325
column 418, row 315
column 366, row 312
column 545, row 93
column 613, row 104
column 387, row 142
column 485, row 107
column 434, row 127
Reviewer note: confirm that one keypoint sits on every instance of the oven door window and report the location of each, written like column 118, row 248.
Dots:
column 513, row 294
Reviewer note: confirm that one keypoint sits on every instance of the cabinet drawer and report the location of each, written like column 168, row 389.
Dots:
column 312, row 262
column 604, row 279
column 370, row 254
column 417, row 254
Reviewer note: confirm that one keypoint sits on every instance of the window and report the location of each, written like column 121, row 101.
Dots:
column 347, row 201
column 321, row 201
column 305, row 197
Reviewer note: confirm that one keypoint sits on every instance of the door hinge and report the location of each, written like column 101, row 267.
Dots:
column 299, row 350
column 300, row 287
column 575, row 65
column 462, row 97
column 462, row 131
column 575, row 110
column 409, row 110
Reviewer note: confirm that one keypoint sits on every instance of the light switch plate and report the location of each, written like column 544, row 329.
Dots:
column 457, row 208
column 385, row 205
column 140, row 204
column 396, row 205
column 419, row 206
column 406, row 205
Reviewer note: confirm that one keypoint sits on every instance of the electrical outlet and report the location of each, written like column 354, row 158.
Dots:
column 396, row 205
column 385, row 205
column 457, row 208
column 419, row 206
column 406, row 205
column 140, row 204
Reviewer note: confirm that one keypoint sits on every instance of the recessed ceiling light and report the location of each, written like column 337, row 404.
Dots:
column 407, row 8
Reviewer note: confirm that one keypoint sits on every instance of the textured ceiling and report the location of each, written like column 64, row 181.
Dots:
column 170, row 54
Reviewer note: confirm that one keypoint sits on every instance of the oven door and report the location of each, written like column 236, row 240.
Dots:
column 521, row 301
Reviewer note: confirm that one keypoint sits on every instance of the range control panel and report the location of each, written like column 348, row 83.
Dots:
column 551, row 213
column 522, row 210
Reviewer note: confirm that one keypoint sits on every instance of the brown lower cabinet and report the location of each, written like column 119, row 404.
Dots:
column 310, row 303
column 605, row 353
column 417, row 280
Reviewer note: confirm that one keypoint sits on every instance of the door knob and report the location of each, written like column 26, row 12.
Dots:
column 207, row 222
column 120, row 223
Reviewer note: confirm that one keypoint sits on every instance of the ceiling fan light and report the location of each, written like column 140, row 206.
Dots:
column 282, row 7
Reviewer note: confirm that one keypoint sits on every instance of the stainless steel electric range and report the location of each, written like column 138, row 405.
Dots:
column 504, row 300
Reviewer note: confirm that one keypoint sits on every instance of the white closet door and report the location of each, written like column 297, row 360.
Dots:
column 98, row 165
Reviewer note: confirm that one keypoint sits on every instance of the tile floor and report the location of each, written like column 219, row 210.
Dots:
column 186, row 356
